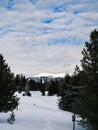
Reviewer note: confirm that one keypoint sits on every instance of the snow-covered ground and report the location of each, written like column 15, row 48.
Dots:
column 38, row 113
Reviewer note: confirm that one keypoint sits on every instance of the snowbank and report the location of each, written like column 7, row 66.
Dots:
column 38, row 113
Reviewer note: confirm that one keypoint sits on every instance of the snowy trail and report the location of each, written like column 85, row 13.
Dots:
column 38, row 113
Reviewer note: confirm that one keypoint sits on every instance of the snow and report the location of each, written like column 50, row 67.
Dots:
column 62, row 75
column 38, row 113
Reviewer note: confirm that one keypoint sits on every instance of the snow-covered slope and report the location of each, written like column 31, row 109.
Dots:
column 50, row 75
column 38, row 113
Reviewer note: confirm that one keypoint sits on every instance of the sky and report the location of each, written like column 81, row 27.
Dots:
column 39, row 36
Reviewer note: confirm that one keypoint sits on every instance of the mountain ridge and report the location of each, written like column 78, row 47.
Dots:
column 52, row 75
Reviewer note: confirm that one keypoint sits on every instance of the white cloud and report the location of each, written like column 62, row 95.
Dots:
column 45, row 36
column 29, row 59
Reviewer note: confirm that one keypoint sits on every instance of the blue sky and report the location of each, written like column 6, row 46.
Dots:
column 45, row 35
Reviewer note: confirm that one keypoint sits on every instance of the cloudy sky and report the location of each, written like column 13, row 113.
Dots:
column 45, row 35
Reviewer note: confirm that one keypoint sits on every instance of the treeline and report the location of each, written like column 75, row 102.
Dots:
column 51, row 86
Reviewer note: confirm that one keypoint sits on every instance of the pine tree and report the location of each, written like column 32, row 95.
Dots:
column 20, row 82
column 42, row 87
column 88, row 104
column 8, row 101
column 60, row 87
column 52, row 88
column 68, row 97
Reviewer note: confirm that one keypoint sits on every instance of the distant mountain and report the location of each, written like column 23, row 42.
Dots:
column 47, row 77
column 50, row 75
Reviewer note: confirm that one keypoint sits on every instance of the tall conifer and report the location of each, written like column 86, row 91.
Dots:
column 88, row 107
column 8, row 101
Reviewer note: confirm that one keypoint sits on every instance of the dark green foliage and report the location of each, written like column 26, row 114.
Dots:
column 17, row 80
column 88, row 101
column 71, row 85
column 67, row 78
column 33, row 85
column 68, row 97
column 52, row 88
column 43, row 90
column 83, row 99
column 63, row 101
column 78, row 79
column 42, row 87
column 60, row 87
column 20, row 82
column 8, row 101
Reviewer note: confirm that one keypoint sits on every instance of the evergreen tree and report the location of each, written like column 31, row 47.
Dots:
column 60, row 87
column 71, row 86
column 52, row 88
column 27, row 88
column 33, row 85
column 76, row 77
column 67, row 78
column 88, row 103
column 68, row 97
column 20, row 82
column 42, row 87
column 8, row 101
column 63, row 101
